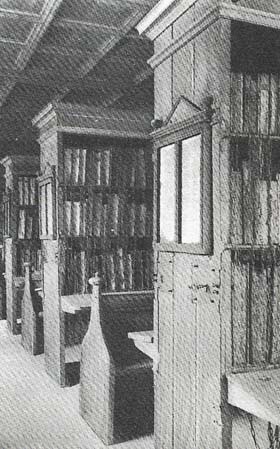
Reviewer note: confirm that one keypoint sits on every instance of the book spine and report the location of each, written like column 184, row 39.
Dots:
column 131, row 220
column 106, row 167
column 237, row 103
column 120, row 270
column 141, row 232
column 32, row 191
column 263, row 103
column 20, row 191
column 76, row 218
column 96, row 176
column 128, row 271
column 274, row 100
column 110, row 266
column 67, row 216
column 97, row 214
column 21, row 224
column 26, row 191
column 67, row 166
column 114, row 212
column 83, row 157
column 75, row 165
column 251, row 104
column 29, row 226
column 83, row 219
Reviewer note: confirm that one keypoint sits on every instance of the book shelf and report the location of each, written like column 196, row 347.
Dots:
column 20, row 229
column 98, row 166
column 107, row 222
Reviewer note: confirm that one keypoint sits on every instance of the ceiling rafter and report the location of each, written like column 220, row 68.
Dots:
column 109, row 45
column 9, row 42
column 48, row 12
column 15, row 13
column 73, row 23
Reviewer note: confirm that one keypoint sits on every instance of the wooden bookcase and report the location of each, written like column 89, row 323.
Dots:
column 95, row 189
column 21, row 238
column 216, row 331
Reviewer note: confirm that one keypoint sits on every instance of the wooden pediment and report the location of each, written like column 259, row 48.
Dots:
column 182, row 110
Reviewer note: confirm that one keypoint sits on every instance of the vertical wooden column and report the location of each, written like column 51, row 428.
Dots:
column 10, row 288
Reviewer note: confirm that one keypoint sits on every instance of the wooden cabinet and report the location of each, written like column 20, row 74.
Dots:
column 216, row 309
column 96, row 214
column 21, row 227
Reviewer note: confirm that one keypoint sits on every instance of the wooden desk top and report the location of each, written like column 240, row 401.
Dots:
column 257, row 392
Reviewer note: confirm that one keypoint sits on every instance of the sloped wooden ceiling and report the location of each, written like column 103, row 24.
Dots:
column 77, row 50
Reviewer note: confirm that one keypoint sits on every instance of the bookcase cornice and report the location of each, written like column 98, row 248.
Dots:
column 89, row 120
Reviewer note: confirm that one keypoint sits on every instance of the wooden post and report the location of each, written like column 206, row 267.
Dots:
column 32, row 318
column 96, row 390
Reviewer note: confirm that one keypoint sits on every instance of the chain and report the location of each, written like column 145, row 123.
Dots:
column 253, row 433
column 273, row 436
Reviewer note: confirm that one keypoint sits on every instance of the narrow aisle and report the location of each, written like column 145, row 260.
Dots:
column 35, row 413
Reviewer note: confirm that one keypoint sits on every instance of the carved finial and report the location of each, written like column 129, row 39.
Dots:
column 208, row 106
column 156, row 123
column 95, row 280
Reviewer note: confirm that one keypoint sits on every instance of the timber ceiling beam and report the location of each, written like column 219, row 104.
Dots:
column 108, row 45
column 79, row 24
column 15, row 13
column 41, row 24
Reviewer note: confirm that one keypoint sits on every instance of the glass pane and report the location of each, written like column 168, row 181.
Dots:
column 49, row 209
column 43, row 210
column 191, row 195
column 168, row 193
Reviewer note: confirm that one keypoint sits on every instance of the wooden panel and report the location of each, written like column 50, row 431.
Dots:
column 163, row 40
column 275, row 211
column 164, row 394
column 259, row 310
column 247, row 203
column 185, row 315
column 236, row 229
column 184, row 22
column 163, row 89
column 183, row 82
column 239, row 301
column 212, row 66
column 53, row 317
column 275, row 350
column 208, row 415
column 9, row 270
column 261, row 212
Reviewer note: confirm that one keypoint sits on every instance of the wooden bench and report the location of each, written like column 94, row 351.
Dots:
column 116, row 390
column 32, row 326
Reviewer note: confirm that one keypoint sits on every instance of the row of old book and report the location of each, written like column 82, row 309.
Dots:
column 119, row 270
column 255, row 291
column 255, row 103
column 255, row 191
column 28, row 254
column 27, row 190
column 255, row 209
column 28, row 226
column 110, row 219
column 105, row 168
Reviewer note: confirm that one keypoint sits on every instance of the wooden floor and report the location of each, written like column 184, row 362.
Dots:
column 34, row 412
